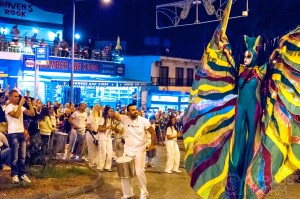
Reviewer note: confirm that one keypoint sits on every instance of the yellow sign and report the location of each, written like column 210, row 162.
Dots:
column 3, row 75
column 43, row 62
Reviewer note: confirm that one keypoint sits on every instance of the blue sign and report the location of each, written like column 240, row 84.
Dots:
column 132, row 84
column 88, row 84
column 41, row 55
column 63, row 65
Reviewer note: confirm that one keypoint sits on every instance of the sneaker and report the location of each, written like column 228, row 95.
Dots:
column 126, row 197
column 15, row 179
column 176, row 171
column 78, row 159
column 6, row 168
column 85, row 158
column 150, row 165
column 169, row 172
column 25, row 178
column 108, row 170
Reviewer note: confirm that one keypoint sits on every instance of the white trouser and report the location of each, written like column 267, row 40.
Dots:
column 139, row 163
column 173, row 156
column 72, row 140
column 105, row 154
column 93, row 154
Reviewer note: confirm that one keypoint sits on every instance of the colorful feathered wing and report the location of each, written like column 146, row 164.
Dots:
column 279, row 154
column 209, row 119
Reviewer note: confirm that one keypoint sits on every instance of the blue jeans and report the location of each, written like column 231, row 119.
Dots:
column 5, row 156
column 17, row 145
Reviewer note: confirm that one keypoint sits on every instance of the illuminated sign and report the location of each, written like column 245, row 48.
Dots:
column 62, row 64
column 20, row 9
column 41, row 55
column 15, row 8
column 3, row 75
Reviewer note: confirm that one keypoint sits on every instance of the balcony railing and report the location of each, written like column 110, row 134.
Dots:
column 158, row 81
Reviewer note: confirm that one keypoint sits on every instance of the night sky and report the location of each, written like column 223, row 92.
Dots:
column 134, row 20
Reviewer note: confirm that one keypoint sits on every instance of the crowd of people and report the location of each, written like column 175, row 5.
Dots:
column 58, row 47
column 98, row 135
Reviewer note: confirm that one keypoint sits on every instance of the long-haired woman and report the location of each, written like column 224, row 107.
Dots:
column 92, row 135
column 105, row 130
column 173, row 153
column 46, row 127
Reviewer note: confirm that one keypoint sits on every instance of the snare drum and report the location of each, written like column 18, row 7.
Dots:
column 125, row 167
column 59, row 141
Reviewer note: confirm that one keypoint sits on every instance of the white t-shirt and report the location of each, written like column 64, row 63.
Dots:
column 93, row 122
column 80, row 119
column 172, row 132
column 15, row 125
column 107, row 134
column 135, row 134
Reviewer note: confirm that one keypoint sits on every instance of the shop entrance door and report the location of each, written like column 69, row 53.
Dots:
column 179, row 76
column 164, row 76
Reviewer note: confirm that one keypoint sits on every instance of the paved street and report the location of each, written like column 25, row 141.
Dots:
column 175, row 186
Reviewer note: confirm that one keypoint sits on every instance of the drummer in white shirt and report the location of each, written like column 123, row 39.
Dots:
column 135, row 146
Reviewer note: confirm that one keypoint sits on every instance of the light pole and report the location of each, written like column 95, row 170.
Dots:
column 72, row 57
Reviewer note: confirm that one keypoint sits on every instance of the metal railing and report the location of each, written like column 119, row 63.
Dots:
column 25, row 45
column 159, row 81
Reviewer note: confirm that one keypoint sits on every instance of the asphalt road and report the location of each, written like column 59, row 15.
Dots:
column 173, row 186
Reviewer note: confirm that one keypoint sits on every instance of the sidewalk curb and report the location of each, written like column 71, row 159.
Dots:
column 72, row 192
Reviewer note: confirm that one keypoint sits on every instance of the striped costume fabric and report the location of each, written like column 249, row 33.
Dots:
column 209, row 121
column 279, row 154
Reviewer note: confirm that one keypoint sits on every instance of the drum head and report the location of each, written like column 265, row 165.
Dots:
column 124, row 159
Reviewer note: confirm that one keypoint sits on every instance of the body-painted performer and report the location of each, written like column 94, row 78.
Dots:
column 235, row 147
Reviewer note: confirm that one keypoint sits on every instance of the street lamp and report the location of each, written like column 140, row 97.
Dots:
column 72, row 57
column 77, row 36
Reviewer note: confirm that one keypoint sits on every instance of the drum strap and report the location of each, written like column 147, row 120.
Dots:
column 92, row 135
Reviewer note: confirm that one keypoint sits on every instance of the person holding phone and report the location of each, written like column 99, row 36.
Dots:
column 14, row 114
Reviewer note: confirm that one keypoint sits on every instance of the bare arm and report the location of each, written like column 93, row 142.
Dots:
column 117, row 116
column 71, row 121
column 170, row 137
column 31, row 111
column 89, row 127
column 17, row 113
column 153, row 137
column 102, row 128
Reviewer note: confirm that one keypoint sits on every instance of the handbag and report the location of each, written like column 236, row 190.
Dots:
column 95, row 140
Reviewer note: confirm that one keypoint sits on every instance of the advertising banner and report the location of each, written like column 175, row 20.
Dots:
column 41, row 56
column 20, row 9
column 82, row 66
